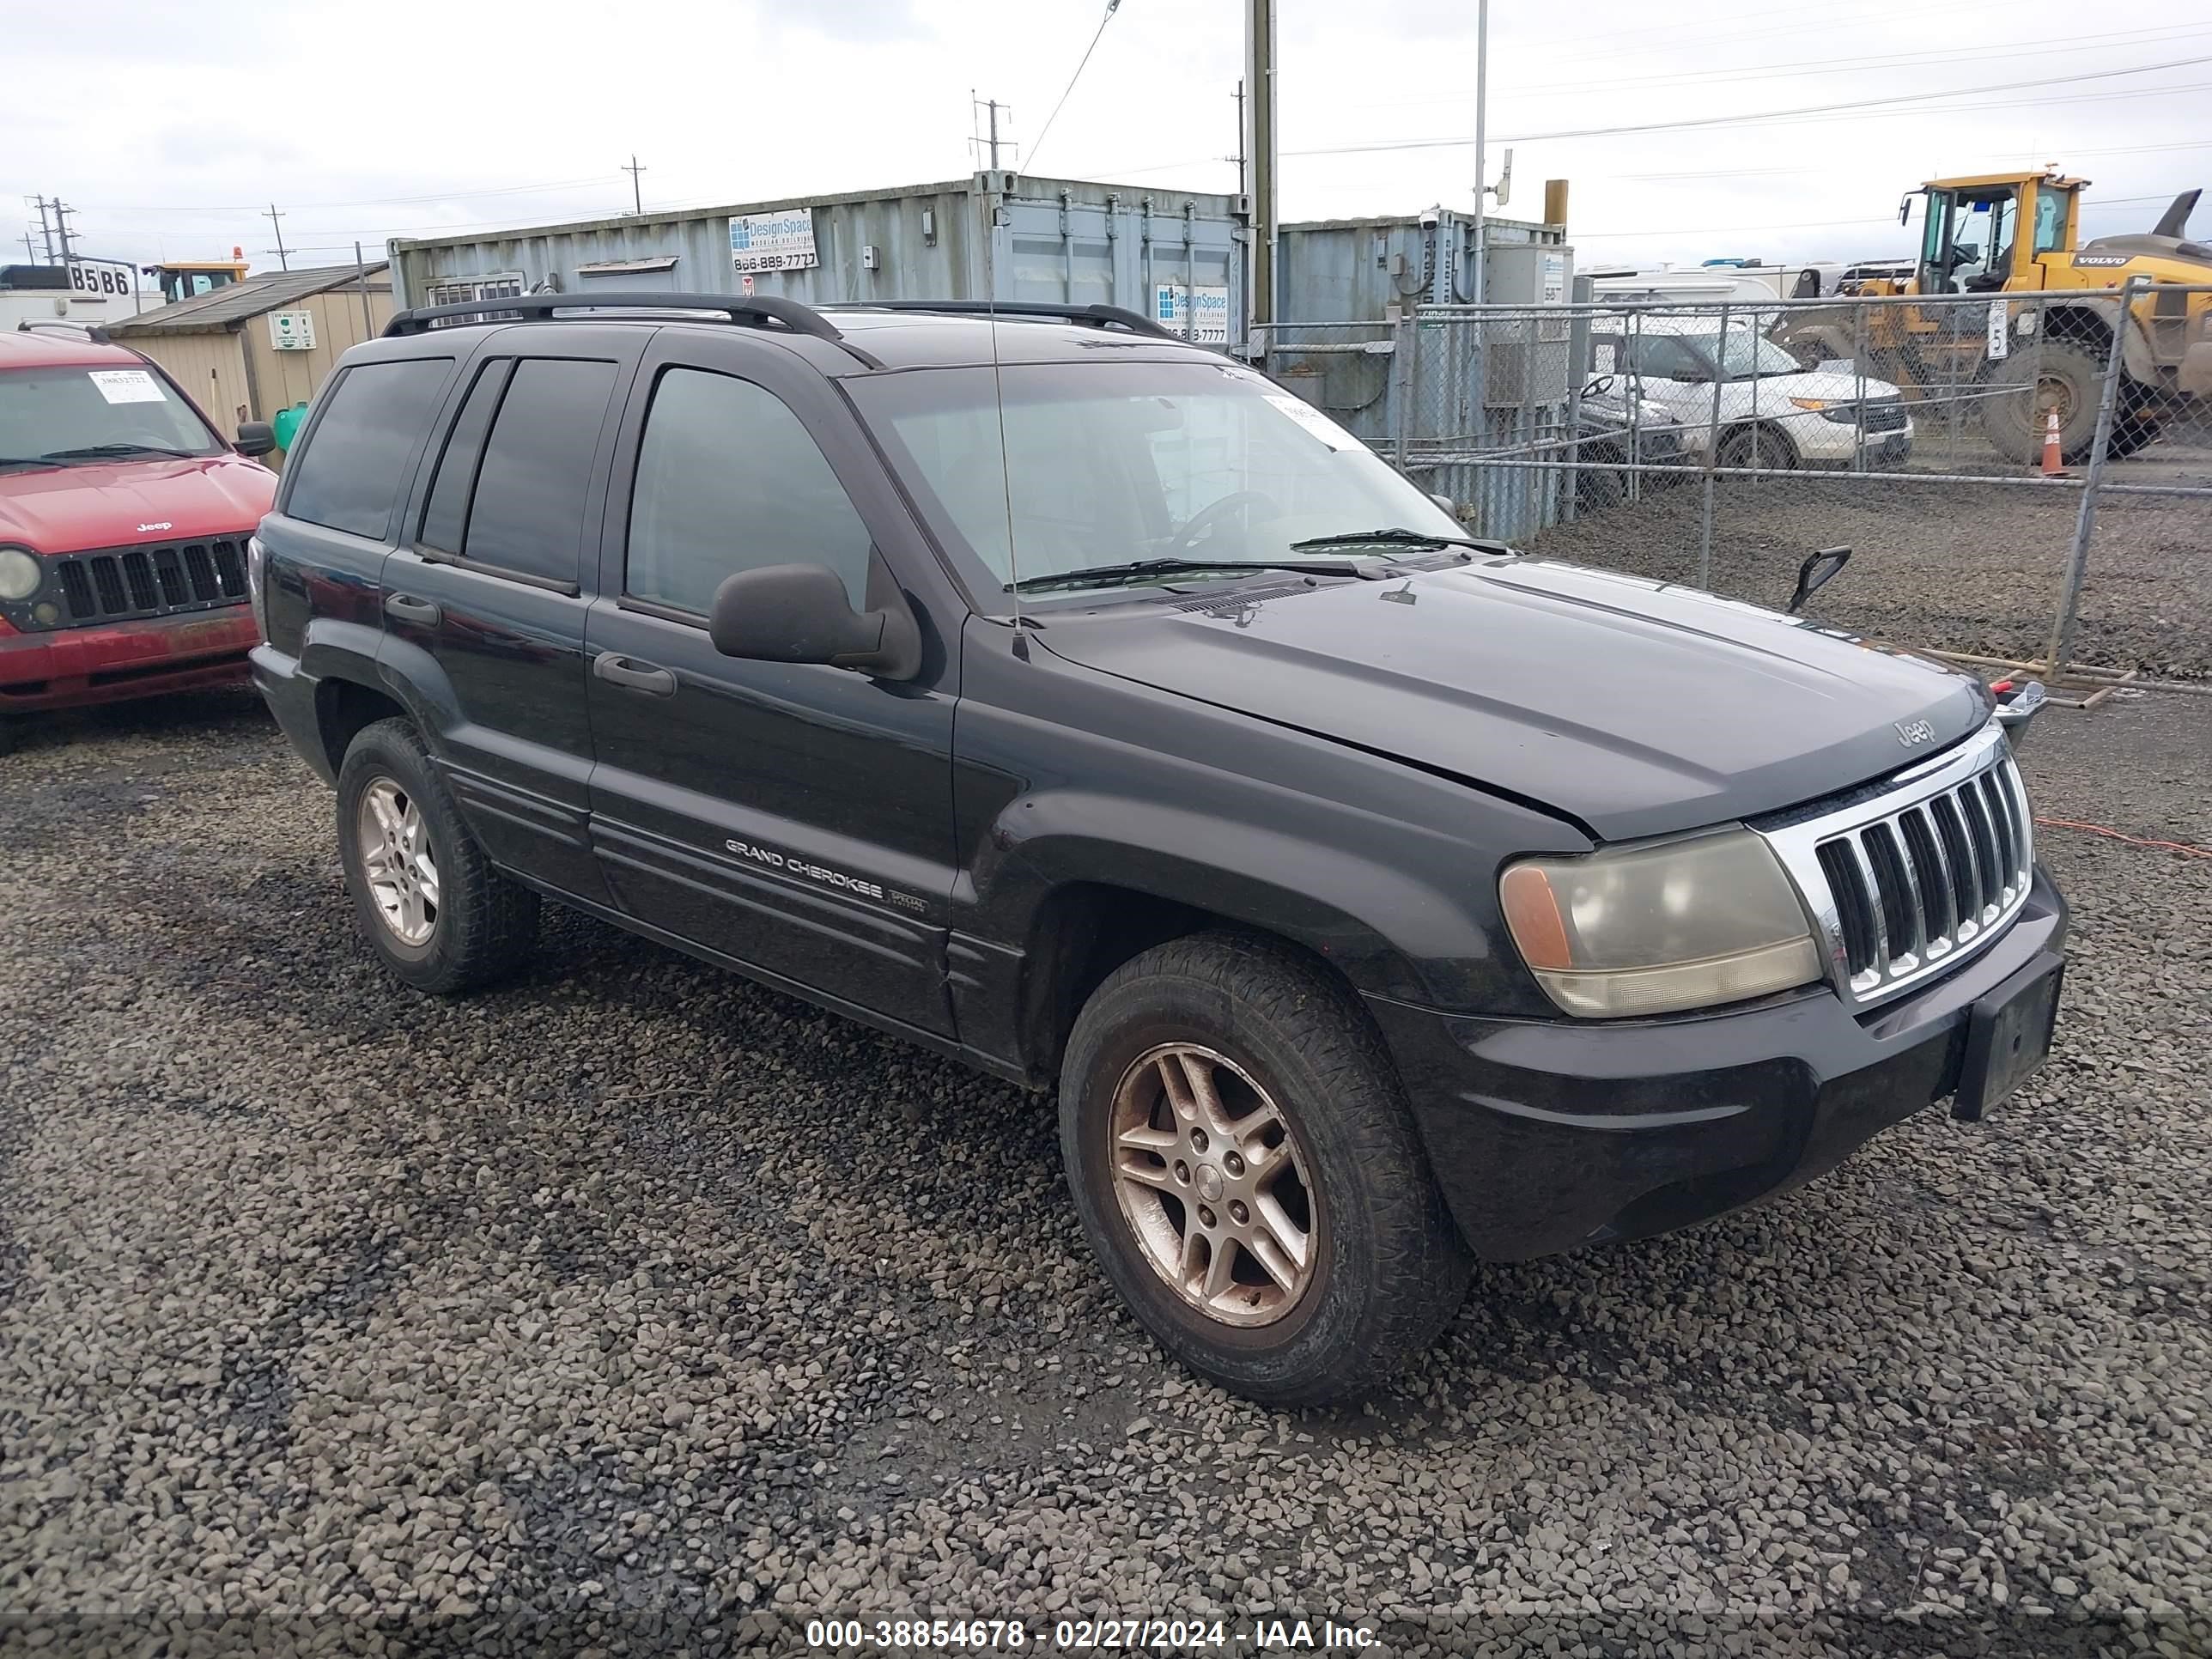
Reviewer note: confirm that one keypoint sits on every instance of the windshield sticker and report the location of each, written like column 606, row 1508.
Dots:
column 126, row 385
column 1313, row 420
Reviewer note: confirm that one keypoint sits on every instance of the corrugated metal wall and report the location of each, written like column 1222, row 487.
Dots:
column 281, row 378
column 1059, row 241
column 211, row 368
column 1353, row 270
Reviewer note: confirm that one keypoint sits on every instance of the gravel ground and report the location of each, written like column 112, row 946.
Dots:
column 635, row 1310
column 1957, row 567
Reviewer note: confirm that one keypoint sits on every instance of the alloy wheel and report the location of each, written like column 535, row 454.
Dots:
column 397, row 862
column 1214, row 1184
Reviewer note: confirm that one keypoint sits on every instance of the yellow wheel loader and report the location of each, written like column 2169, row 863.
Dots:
column 2016, row 232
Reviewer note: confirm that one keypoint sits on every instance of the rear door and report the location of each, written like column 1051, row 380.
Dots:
column 485, row 597
column 796, row 817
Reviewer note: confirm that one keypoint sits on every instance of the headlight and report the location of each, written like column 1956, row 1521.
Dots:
column 1650, row 930
column 257, row 581
column 20, row 574
column 1815, row 404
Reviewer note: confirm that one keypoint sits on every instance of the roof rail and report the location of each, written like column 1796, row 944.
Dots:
column 1100, row 316
column 91, row 332
column 537, row 308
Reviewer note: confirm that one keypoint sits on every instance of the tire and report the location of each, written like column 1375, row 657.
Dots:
column 2131, row 432
column 2060, row 372
column 1385, row 1268
column 477, row 926
column 1764, row 446
column 1599, row 487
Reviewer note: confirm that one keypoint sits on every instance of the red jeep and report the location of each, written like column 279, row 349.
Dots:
column 123, row 520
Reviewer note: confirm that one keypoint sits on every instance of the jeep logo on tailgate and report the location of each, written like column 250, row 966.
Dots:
column 1912, row 732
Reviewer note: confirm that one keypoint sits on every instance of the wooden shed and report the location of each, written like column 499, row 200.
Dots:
column 254, row 347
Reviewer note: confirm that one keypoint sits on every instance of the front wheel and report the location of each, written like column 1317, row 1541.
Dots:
column 1243, row 1159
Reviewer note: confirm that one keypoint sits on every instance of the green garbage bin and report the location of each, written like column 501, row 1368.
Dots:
column 287, row 424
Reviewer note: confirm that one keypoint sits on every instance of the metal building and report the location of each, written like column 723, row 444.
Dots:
column 1173, row 255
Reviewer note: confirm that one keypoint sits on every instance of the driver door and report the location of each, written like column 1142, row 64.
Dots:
column 795, row 819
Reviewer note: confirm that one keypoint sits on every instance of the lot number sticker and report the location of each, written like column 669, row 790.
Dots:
column 125, row 385
column 773, row 241
column 1313, row 420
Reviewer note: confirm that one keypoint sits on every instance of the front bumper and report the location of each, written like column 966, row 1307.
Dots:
column 1547, row 1134
column 73, row 667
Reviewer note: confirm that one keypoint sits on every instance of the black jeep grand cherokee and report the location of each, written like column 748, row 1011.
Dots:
column 1072, row 701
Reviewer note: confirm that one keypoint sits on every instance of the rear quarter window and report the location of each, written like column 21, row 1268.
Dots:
column 349, row 474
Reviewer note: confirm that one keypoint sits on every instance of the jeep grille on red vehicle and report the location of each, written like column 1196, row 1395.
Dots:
column 132, row 582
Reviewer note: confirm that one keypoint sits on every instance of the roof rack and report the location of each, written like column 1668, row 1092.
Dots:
column 91, row 332
column 1099, row 316
column 537, row 308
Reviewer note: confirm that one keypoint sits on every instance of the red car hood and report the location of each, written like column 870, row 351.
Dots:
column 70, row 509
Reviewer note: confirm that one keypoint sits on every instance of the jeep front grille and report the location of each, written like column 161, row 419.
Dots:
column 154, row 580
column 1909, row 880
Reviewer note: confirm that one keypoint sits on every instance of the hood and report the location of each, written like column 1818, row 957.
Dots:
column 1634, row 707
column 70, row 509
column 1819, row 383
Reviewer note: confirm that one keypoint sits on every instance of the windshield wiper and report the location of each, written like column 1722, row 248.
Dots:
column 1099, row 575
column 27, row 461
column 94, row 452
column 1394, row 536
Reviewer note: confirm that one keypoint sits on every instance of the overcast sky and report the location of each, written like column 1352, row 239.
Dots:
column 169, row 126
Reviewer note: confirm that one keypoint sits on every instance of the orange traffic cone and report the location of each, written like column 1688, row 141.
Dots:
column 2053, row 462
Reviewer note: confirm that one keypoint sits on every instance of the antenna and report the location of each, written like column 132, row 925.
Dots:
column 999, row 403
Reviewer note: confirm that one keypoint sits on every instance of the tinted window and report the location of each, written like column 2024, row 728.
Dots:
column 528, row 513
column 729, row 480
column 347, row 474
column 445, row 519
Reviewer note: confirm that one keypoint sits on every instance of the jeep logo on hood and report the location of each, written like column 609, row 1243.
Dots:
column 1910, row 732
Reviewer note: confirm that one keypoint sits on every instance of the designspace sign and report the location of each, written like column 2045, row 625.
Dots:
column 773, row 241
column 1173, row 303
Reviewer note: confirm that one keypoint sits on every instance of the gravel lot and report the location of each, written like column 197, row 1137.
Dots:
column 1954, row 566
column 633, row 1309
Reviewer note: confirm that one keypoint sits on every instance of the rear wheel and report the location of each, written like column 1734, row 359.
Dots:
column 428, row 902
column 1241, row 1156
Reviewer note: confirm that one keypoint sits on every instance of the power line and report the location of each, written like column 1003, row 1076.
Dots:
column 1112, row 6
column 1691, row 123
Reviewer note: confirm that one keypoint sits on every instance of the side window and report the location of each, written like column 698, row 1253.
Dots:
column 445, row 520
column 1660, row 358
column 527, row 513
column 728, row 480
column 347, row 476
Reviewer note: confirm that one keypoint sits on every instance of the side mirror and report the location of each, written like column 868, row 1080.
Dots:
column 256, row 438
column 1446, row 502
column 1817, row 572
column 800, row 613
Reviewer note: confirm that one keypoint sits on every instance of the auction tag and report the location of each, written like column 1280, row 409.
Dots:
column 126, row 385
column 1312, row 419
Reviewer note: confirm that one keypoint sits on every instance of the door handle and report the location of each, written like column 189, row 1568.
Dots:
column 405, row 607
column 633, row 675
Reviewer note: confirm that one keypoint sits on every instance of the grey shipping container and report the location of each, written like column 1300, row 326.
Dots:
column 1173, row 255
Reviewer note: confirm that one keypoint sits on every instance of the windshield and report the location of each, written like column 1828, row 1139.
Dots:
column 1113, row 463
column 52, row 411
column 1745, row 354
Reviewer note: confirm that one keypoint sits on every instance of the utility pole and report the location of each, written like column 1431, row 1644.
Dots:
column 1481, row 109
column 1241, row 185
column 1259, row 108
column 62, row 212
column 283, row 262
column 30, row 247
column 991, row 108
column 636, row 189
column 45, row 230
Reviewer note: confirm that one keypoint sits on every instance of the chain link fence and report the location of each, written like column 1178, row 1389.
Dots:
column 2023, row 479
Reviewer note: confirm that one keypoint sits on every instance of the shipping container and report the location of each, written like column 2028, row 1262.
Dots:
column 1176, row 256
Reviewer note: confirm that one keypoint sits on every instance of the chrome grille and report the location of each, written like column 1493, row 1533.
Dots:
column 1913, row 878
column 154, row 580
